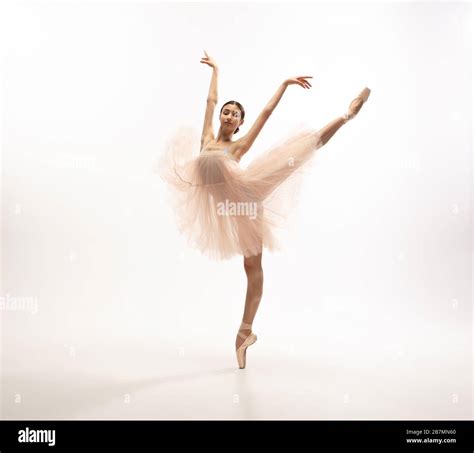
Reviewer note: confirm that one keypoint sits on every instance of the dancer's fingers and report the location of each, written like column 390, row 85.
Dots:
column 305, row 82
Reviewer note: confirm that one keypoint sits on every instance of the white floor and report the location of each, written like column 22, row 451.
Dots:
column 357, row 376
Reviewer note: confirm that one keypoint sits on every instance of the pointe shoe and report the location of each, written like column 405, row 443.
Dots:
column 356, row 104
column 241, row 351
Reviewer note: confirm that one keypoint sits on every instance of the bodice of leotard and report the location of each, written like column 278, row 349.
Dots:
column 225, row 151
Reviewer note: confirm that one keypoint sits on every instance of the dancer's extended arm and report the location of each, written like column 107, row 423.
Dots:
column 207, row 130
column 247, row 140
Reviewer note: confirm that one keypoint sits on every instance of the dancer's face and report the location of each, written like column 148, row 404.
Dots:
column 231, row 117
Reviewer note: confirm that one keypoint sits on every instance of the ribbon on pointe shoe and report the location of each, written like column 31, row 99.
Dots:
column 363, row 96
column 347, row 116
column 244, row 326
column 351, row 113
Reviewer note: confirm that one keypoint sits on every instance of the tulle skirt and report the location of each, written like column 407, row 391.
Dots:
column 224, row 209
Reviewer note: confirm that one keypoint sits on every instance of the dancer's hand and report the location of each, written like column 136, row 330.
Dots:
column 209, row 61
column 299, row 81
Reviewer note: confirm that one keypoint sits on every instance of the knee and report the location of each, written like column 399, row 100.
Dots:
column 253, row 265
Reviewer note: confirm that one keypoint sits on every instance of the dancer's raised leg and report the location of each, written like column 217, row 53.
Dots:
column 330, row 129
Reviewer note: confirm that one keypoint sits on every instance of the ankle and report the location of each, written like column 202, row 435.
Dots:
column 245, row 326
column 245, row 331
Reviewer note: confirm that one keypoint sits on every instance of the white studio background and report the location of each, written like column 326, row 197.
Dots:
column 374, row 279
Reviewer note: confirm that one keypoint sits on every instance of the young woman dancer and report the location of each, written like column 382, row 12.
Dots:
column 227, row 210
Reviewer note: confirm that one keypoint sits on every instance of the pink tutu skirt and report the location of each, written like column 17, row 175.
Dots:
column 226, row 210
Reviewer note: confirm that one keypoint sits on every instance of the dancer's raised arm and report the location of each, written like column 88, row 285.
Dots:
column 207, row 130
column 247, row 140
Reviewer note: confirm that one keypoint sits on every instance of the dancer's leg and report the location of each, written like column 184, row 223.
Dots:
column 330, row 129
column 254, row 271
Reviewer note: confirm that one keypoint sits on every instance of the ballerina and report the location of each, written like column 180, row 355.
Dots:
column 226, row 210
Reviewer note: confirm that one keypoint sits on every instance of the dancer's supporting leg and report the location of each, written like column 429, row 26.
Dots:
column 254, row 271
